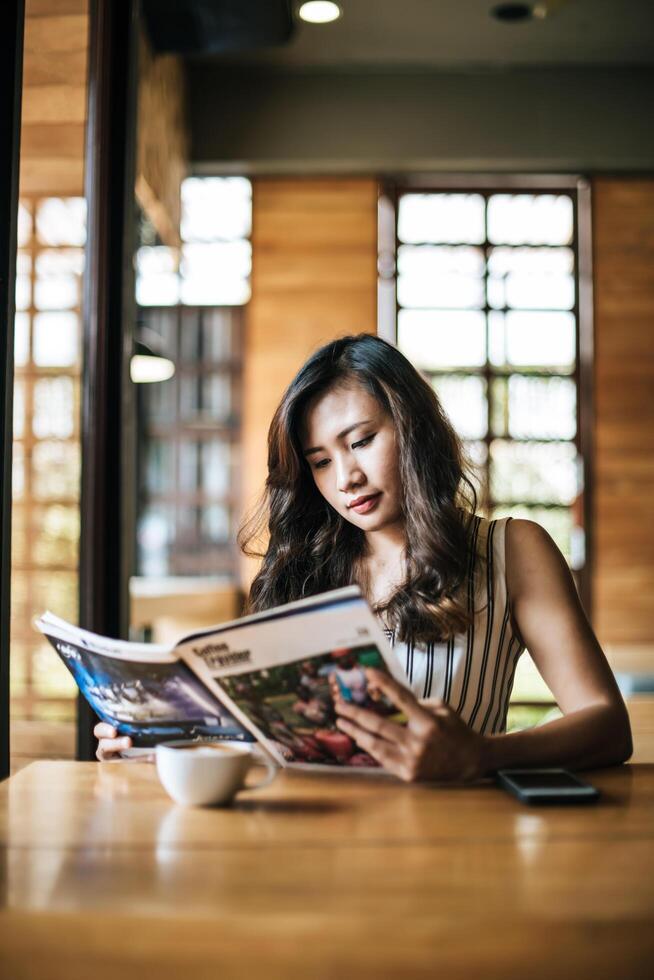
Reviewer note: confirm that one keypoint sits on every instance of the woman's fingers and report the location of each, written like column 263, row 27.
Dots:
column 399, row 696
column 103, row 730
column 385, row 753
column 108, row 748
column 371, row 722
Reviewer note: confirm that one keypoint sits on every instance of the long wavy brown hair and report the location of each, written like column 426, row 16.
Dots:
column 312, row 549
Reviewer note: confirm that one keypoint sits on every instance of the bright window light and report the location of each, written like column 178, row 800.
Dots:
column 319, row 12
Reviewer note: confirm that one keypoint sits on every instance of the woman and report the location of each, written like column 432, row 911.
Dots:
column 366, row 484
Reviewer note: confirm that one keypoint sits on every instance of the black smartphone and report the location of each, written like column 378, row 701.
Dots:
column 546, row 786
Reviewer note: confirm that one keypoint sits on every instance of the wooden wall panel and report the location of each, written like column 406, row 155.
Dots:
column 314, row 278
column 623, row 244
column 54, row 98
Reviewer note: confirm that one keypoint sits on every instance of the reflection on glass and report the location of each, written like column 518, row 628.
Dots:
column 21, row 339
column 58, row 279
column 536, row 340
column 61, row 221
column 54, row 408
column 216, row 274
column 216, row 208
column 464, row 400
column 157, row 282
column 531, row 278
column 55, row 470
column 441, row 218
column 440, row 276
column 534, row 472
column 530, row 219
column 558, row 521
column 442, row 339
column 54, row 339
column 534, row 408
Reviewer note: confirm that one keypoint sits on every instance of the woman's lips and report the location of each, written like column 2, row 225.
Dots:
column 366, row 504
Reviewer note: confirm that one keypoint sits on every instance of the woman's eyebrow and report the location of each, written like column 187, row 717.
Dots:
column 341, row 435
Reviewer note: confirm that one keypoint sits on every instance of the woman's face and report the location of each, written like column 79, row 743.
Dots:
column 349, row 443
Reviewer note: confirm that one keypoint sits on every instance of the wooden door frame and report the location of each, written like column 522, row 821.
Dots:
column 12, row 26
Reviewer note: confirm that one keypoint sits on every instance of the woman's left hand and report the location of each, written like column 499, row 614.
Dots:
column 434, row 744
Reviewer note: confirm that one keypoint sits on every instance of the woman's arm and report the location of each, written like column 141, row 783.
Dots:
column 548, row 616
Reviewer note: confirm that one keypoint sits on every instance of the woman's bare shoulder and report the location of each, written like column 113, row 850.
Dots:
column 533, row 560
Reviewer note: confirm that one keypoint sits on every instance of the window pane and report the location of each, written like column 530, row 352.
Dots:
column 56, row 591
column 534, row 408
column 532, row 340
column 55, row 541
column 53, row 408
column 216, row 208
column 17, row 471
column 157, row 280
column 218, row 335
column 58, row 279
column 159, row 467
column 156, row 529
column 23, row 281
column 61, row 221
column 19, row 408
column 539, row 472
column 55, row 469
column 557, row 521
column 50, row 677
column 464, row 402
column 216, row 274
column 531, row 278
column 215, row 524
column 440, row 276
column 24, row 225
column 55, row 339
column 530, row 219
column 476, row 456
column 159, row 401
column 216, row 469
column 441, row 218
column 21, row 339
column 437, row 339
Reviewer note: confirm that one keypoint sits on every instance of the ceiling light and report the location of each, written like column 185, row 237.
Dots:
column 149, row 362
column 319, row 11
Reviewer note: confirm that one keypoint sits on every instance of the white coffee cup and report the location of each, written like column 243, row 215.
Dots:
column 204, row 773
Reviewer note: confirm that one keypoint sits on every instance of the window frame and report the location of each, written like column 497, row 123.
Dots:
column 578, row 187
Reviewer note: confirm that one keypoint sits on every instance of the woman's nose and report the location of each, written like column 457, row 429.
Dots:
column 349, row 474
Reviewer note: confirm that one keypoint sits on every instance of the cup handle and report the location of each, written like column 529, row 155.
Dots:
column 271, row 772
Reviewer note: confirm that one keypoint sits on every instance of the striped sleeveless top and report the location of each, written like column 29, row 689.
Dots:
column 473, row 672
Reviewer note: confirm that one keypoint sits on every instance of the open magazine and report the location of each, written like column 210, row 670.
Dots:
column 270, row 677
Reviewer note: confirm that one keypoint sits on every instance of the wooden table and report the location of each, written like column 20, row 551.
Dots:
column 321, row 877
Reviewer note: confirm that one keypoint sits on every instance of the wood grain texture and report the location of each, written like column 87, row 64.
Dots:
column 320, row 876
column 623, row 246
column 54, row 98
column 314, row 278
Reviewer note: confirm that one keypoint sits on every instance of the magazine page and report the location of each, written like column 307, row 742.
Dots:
column 143, row 690
column 279, row 672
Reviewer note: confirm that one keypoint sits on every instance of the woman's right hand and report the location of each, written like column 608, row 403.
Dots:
column 109, row 744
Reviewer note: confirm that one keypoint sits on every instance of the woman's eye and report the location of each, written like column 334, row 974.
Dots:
column 362, row 442
column 320, row 465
